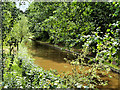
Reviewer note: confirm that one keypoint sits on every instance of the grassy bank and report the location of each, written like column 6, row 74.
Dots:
column 20, row 72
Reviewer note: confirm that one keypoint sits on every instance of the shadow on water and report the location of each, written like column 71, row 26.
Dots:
column 49, row 52
column 49, row 57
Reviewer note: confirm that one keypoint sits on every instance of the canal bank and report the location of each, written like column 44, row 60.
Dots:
column 48, row 57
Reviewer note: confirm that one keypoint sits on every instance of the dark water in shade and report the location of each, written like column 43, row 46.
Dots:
column 49, row 57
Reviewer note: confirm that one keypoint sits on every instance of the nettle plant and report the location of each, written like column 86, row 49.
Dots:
column 106, row 48
column 81, row 78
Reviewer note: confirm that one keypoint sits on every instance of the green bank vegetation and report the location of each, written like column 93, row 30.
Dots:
column 93, row 27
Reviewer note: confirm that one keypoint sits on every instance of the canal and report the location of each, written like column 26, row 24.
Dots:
column 49, row 57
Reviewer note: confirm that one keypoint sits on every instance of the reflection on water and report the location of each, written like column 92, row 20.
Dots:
column 50, row 57
column 49, row 52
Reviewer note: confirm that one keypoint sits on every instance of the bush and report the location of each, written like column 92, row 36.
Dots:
column 27, row 75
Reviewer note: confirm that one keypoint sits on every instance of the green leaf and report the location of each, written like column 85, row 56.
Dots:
column 108, row 30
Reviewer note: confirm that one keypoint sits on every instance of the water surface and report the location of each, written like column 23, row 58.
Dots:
column 49, row 57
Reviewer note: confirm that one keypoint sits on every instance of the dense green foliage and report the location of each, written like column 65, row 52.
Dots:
column 27, row 75
column 19, row 30
column 78, row 24
column 19, row 68
column 10, row 16
column 93, row 27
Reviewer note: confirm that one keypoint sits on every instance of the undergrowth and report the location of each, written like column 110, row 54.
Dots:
column 20, row 72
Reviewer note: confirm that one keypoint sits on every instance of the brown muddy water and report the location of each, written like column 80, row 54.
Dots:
column 49, row 57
